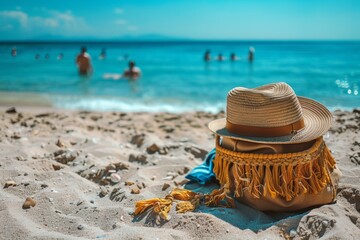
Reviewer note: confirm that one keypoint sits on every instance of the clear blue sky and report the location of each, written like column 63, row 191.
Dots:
column 194, row 19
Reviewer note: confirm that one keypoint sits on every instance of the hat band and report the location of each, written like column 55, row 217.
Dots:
column 252, row 131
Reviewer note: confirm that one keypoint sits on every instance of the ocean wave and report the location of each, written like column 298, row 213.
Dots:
column 99, row 103
column 127, row 105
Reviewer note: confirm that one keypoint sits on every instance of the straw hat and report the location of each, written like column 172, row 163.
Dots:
column 272, row 114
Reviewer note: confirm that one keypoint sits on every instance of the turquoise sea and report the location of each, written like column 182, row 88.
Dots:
column 174, row 76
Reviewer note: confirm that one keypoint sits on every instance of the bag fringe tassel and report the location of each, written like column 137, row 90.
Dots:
column 276, row 175
column 161, row 206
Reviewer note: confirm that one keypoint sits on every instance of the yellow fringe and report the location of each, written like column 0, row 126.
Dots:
column 276, row 175
column 219, row 198
column 186, row 206
column 162, row 206
column 183, row 194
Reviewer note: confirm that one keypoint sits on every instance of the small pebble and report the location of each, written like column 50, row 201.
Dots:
column 129, row 183
column 135, row 190
column 20, row 158
column 80, row 227
column 165, row 186
column 60, row 143
column 103, row 192
column 29, row 202
column 92, row 201
column 56, row 167
column 325, row 223
column 293, row 233
column 227, row 230
column 11, row 110
column 168, row 178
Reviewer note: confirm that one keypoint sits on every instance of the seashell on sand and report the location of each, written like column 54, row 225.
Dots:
column 115, row 178
column 9, row 183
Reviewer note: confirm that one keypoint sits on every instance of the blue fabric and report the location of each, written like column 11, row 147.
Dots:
column 203, row 173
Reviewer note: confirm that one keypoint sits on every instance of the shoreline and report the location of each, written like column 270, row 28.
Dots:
column 24, row 100
column 53, row 156
column 94, row 103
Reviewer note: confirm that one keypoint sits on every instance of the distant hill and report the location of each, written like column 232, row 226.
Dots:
column 148, row 37
column 144, row 37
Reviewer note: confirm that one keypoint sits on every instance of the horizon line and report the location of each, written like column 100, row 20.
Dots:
column 79, row 40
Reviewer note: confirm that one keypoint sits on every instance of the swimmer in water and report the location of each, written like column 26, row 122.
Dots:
column 132, row 72
column 60, row 56
column 233, row 57
column 207, row 56
column 220, row 57
column 83, row 61
column 102, row 54
column 251, row 54
column 14, row 52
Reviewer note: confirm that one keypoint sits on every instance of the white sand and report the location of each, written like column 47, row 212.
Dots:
column 60, row 177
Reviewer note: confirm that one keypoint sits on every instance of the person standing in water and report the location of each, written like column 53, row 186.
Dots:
column 233, row 57
column 83, row 61
column 14, row 52
column 207, row 56
column 251, row 54
column 220, row 57
column 132, row 72
column 60, row 56
column 102, row 54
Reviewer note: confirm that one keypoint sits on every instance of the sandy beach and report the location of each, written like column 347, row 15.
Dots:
column 82, row 173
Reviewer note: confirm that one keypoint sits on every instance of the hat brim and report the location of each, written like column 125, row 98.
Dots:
column 317, row 119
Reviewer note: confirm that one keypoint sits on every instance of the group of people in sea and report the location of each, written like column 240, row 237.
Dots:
column 83, row 61
column 85, row 68
column 37, row 56
column 47, row 56
column 233, row 57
